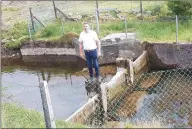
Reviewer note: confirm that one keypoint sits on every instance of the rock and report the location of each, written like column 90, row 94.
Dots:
column 70, row 14
column 13, row 55
column 148, row 13
column 135, row 11
column 85, row 70
column 84, row 15
column 120, row 16
column 79, row 17
column 108, row 15
column 138, row 15
column 128, row 11
column 117, row 11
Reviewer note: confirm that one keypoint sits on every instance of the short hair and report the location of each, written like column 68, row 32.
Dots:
column 85, row 23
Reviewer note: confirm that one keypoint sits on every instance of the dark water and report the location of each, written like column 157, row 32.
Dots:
column 67, row 90
column 168, row 102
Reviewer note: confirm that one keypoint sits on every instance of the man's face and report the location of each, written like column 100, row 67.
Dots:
column 86, row 27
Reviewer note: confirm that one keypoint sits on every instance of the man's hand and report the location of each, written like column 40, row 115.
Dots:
column 98, row 53
column 82, row 56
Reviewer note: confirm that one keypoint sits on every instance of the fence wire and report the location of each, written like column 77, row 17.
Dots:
column 161, row 98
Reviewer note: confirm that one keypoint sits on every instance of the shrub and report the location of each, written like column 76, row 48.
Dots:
column 180, row 7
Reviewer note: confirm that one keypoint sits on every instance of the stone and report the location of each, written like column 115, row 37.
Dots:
column 120, row 16
column 70, row 14
column 79, row 17
column 135, row 11
column 138, row 15
column 85, row 70
column 118, row 11
column 13, row 55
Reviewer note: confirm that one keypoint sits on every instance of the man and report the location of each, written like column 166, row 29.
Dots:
column 89, row 44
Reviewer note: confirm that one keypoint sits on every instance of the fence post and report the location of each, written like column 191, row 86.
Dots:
column 131, row 70
column 176, row 29
column 47, row 107
column 97, row 6
column 55, row 10
column 141, row 7
column 125, row 22
column 97, row 20
column 62, row 26
column 29, row 29
column 32, row 21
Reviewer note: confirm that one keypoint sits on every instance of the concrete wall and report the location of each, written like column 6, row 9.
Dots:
column 47, row 51
column 140, row 64
column 82, row 114
column 112, row 90
column 111, row 50
column 169, row 56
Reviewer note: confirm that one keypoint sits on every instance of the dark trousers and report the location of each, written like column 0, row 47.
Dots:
column 92, row 61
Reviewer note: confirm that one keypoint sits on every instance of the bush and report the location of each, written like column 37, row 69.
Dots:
column 158, row 10
column 68, row 38
column 13, row 44
column 180, row 7
column 18, row 30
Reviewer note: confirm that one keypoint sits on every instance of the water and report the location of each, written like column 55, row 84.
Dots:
column 159, row 99
column 67, row 90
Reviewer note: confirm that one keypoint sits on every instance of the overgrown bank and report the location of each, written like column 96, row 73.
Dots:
column 158, row 31
column 15, row 116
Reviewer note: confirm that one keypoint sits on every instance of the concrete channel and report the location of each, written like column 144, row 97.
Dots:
column 155, row 57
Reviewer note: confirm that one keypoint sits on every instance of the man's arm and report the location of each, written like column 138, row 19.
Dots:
column 99, row 47
column 81, row 49
column 98, row 43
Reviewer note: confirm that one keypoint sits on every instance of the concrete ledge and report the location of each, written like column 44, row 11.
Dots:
column 140, row 63
column 116, row 85
column 81, row 115
column 47, row 51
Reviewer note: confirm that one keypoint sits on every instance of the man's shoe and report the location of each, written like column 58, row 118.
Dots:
column 99, row 79
column 91, row 79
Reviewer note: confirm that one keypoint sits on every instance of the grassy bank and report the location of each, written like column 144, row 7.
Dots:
column 158, row 31
column 18, row 117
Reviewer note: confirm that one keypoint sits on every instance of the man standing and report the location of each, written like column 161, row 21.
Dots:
column 90, row 44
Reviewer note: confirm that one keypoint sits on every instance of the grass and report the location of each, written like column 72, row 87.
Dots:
column 11, row 9
column 15, row 116
column 147, row 30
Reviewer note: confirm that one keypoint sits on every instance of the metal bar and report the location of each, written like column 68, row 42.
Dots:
column 55, row 10
column 47, row 107
column 39, row 21
column 141, row 7
column 176, row 29
column 29, row 29
column 125, row 22
column 31, row 15
column 97, row 6
column 62, row 26
column 97, row 21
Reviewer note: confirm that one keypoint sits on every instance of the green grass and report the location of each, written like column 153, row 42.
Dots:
column 11, row 9
column 147, row 30
column 15, row 116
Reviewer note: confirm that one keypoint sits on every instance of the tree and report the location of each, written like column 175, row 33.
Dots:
column 180, row 7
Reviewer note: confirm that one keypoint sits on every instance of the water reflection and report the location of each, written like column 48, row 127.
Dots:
column 66, row 85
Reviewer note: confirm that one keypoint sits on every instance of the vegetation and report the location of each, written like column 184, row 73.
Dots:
column 150, row 29
column 11, row 9
column 180, row 8
column 15, row 116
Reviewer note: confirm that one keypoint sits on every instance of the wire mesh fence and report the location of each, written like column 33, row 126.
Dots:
column 155, row 99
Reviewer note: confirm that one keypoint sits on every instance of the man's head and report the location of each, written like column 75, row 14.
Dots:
column 86, row 26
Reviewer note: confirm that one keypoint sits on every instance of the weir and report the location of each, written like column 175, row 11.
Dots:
column 132, row 82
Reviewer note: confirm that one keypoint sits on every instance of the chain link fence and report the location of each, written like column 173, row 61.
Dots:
column 155, row 99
